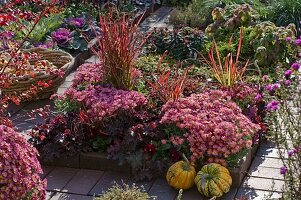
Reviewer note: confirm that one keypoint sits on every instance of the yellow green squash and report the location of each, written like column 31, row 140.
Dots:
column 181, row 175
column 213, row 180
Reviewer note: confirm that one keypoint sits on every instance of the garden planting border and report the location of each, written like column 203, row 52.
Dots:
column 95, row 160
column 99, row 161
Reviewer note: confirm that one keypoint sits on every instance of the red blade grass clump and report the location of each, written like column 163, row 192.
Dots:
column 118, row 46
column 230, row 72
column 166, row 86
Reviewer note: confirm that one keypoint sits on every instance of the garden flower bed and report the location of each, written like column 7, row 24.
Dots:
column 190, row 104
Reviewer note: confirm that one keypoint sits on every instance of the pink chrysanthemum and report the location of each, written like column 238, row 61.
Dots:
column 19, row 168
column 215, row 125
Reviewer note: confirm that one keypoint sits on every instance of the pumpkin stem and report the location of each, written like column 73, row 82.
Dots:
column 185, row 158
column 180, row 194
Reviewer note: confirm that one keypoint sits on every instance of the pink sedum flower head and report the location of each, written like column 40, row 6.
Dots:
column 215, row 125
column 19, row 168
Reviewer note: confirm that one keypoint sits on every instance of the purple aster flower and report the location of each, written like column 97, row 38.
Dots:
column 258, row 97
column 296, row 150
column 61, row 36
column 288, row 39
column 287, row 82
column 295, row 66
column 276, row 86
column 288, row 73
column 290, row 153
column 272, row 87
column 265, row 78
column 283, row 170
column 76, row 22
column 269, row 87
column 273, row 105
column 298, row 42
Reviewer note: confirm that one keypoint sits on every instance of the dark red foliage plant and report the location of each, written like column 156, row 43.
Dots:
column 165, row 85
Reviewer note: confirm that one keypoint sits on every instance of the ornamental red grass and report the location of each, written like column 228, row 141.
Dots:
column 118, row 47
column 165, row 85
column 230, row 72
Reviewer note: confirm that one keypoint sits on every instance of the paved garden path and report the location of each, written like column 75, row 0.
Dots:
column 263, row 178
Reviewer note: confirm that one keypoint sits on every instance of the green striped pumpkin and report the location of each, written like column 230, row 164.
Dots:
column 213, row 180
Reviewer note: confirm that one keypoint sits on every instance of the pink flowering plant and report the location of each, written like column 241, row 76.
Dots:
column 215, row 126
column 20, row 169
column 283, row 116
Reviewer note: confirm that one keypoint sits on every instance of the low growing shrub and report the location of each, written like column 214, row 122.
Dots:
column 180, row 44
column 124, row 192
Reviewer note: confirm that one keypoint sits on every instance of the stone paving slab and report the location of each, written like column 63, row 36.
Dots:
column 265, row 172
column 162, row 190
column 257, row 194
column 266, row 162
column 59, row 177
column 144, row 185
column 270, row 152
column 263, row 184
column 61, row 90
column 13, row 108
column 107, row 180
column 192, row 194
column 158, row 19
column 49, row 195
column 22, row 127
column 93, row 59
column 66, row 84
column 22, row 115
column 157, row 16
column 268, row 144
column 66, row 196
column 46, row 170
column 70, row 77
column 83, row 181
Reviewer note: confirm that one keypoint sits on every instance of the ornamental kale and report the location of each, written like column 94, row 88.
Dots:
column 61, row 36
